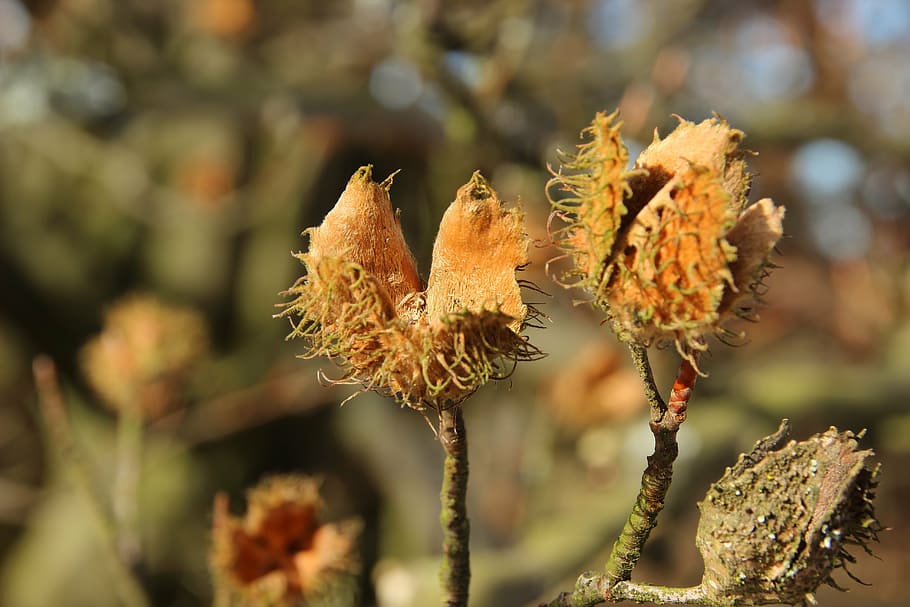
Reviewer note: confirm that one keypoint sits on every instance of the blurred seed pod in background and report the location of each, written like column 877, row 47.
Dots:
column 143, row 357
column 280, row 553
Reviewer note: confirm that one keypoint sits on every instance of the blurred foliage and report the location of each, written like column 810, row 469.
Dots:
column 179, row 147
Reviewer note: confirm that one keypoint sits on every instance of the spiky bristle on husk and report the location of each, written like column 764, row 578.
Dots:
column 596, row 181
column 345, row 314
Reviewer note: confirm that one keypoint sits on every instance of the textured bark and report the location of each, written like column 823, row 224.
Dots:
column 655, row 481
column 455, row 572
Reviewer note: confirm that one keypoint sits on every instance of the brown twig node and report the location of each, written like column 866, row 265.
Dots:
column 682, row 391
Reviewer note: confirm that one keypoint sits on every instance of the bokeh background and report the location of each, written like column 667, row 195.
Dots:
column 178, row 148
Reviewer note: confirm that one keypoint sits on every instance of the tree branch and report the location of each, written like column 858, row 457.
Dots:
column 53, row 411
column 655, row 481
column 662, row 595
column 589, row 591
column 665, row 419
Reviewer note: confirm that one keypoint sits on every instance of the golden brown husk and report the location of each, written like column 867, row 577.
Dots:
column 363, row 229
column 477, row 250
column 427, row 349
column 669, row 250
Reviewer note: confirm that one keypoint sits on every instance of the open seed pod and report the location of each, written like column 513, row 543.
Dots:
column 361, row 301
column 669, row 249
column 143, row 358
column 280, row 553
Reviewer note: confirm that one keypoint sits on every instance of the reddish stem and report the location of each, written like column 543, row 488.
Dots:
column 682, row 391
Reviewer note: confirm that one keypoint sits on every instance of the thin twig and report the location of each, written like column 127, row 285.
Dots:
column 655, row 481
column 590, row 586
column 278, row 395
column 455, row 572
column 60, row 434
column 665, row 419
column 662, row 595
column 53, row 410
column 125, row 495
column 643, row 366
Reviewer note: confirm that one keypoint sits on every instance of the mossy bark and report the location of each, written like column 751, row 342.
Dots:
column 665, row 420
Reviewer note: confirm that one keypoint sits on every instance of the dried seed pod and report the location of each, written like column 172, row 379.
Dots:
column 754, row 236
column 711, row 143
column 596, row 386
column 596, row 181
column 280, row 553
column 144, row 354
column 479, row 247
column 668, row 250
column 426, row 348
column 778, row 523
column 363, row 229
column 672, row 271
